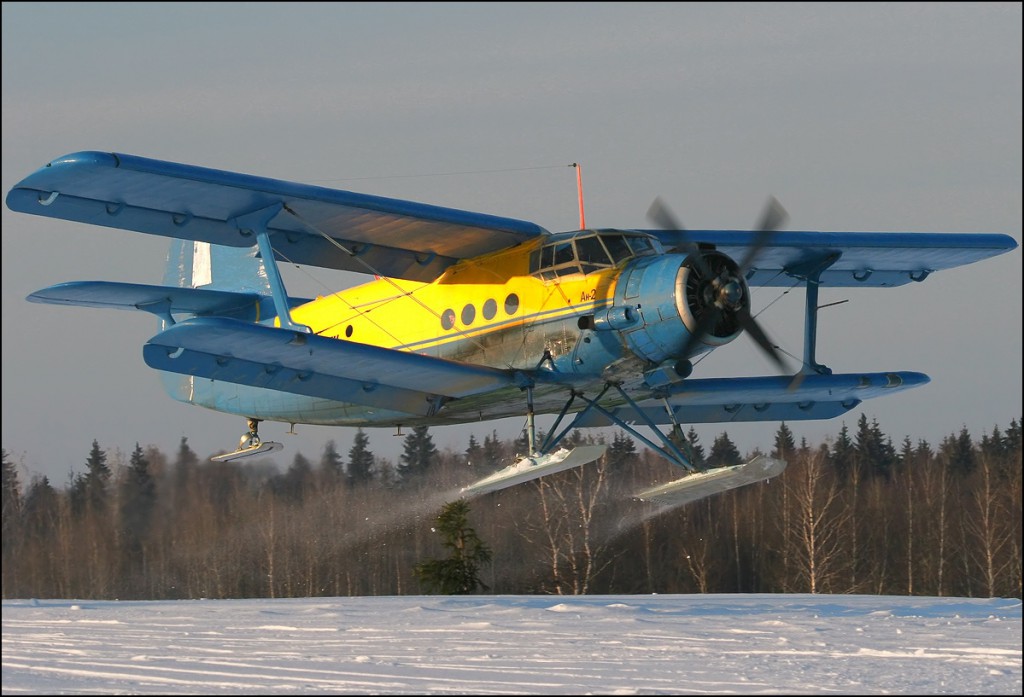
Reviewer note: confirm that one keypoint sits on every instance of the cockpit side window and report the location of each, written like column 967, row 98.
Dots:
column 587, row 253
column 617, row 247
column 592, row 254
column 640, row 245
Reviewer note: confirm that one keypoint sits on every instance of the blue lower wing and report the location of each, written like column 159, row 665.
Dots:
column 723, row 400
column 281, row 359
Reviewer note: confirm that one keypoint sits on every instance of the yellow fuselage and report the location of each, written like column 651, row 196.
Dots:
column 487, row 310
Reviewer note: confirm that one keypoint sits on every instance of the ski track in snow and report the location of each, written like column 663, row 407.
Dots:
column 650, row 644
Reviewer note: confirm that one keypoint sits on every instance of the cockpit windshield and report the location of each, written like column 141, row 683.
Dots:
column 587, row 252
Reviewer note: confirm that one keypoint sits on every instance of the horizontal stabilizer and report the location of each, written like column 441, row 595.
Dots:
column 703, row 484
column 160, row 300
column 530, row 468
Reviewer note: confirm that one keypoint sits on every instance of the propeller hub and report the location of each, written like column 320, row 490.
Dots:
column 730, row 294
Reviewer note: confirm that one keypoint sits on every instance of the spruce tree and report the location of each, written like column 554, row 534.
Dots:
column 843, row 454
column 695, row 451
column 418, row 453
column 724, row 452
column 332, row 467
column 785, row 446
column 96, row 478
column 137, row 500
column 11, row 505
column 622, row 450
column 459, row 572
column 474, row 453
column 360, row 460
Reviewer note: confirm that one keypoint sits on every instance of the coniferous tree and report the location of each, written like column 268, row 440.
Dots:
column 1013, row 437
column 724, row 452
column 493, row 451
column 621, row 451
column 11, row 494
column 474, row 453
column 96, row 478
column 843, row 455
column 459, row 573
column 695, row 449
column 360, row 460
column 418, row 452
column 185, row 466
column 296, row 482
column 332, row 467
column 11, row 509
column 137, row 501
column 41, row 507
column 785, row 446
column 875, row 455
column 960, row 451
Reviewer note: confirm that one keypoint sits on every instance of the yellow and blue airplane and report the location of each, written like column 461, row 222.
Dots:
column 471, row 317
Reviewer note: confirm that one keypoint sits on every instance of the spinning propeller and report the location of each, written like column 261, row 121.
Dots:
column 716, row 288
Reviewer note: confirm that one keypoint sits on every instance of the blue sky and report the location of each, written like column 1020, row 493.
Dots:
column 902, row 117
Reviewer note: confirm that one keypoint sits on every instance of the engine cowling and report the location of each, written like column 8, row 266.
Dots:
column 669, row 296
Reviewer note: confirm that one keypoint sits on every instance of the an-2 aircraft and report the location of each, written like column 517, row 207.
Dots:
column 471, row 317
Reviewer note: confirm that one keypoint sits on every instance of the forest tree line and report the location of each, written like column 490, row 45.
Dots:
column 854, row 514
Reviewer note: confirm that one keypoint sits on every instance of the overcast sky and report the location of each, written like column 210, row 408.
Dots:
column 872, row 117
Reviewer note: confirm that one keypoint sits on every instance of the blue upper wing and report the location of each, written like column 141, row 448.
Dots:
column 368, row 234
column 402, row 239
column 852, row 259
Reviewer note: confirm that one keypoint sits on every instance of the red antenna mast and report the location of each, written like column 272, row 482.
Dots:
column 579, row 190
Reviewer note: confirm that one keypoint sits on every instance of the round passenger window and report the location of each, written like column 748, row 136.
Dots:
column 490, row 308
column 511, row 304
column 468, row 314
column 448, row 319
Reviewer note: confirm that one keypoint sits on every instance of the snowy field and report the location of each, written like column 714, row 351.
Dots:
column 629, row 644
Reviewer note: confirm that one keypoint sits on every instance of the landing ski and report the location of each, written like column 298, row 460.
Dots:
column 529, row 468
column 242, row 453
column 702, row 484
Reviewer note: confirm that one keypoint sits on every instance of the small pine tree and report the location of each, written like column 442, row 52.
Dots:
column 360, row 460
column 785, row 446
column 11, row 505
column 419, row 452
column 458, row 574
column 724, row 452
column 474, row 453
column 694, row 449
column 138, row 495
column 332, row 467
column 96, row 478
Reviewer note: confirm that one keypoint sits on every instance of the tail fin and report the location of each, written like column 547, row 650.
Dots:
column 193, row 264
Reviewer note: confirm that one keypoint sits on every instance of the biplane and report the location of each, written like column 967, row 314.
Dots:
column 468, row 317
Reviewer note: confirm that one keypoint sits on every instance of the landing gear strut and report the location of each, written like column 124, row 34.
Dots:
column 249, row 444
column 251, row 439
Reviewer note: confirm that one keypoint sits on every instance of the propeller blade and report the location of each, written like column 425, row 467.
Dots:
column 704, row 326
column 751, row 326
column 661, row 215
column 773, row 217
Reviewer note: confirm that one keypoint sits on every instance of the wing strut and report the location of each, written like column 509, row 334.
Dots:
column 669, row 449
column 256, row 222
column 812, row 278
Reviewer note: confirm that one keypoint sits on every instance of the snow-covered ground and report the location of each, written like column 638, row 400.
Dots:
column 628, row 644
